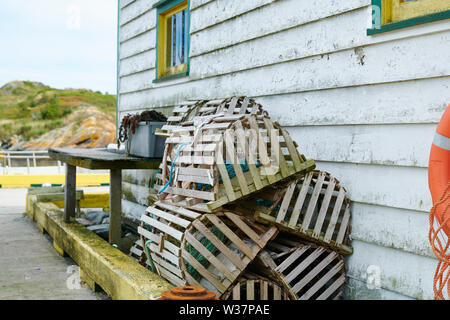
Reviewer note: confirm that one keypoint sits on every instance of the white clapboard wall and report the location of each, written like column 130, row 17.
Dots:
column 365, row 107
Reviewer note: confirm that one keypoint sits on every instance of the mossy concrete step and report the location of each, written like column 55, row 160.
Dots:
column 101, row 265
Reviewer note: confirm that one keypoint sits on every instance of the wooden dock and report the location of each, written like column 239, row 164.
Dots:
column 31, row 268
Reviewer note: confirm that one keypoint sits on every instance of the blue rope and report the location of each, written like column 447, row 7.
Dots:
column 171, row 167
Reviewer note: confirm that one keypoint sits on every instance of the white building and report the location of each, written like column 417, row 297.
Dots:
column 361, row 99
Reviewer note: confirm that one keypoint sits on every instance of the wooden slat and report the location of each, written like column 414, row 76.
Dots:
column 165, row 254
column 293, row 222
column 180, row 109
column 209, row 256
column 201, row 172
column 275, row 146
column 205, row 195
column 244, row 106
column 286, row 201
column 254, row 109
column 151, row 236
column 179, row 210
column 163, row 227
column 194, row 160
column 304, row 264
column 250, row 289
column 237, row 292
column 200, row 147
column 292, row 150
column 171, row 277
column 343, row 227
column 313, row 202
column 231, row 153
column 245, row 228
column 319, row 284
column 335, row 215
column 174, row 119
column 169, row 217
column 332, row 288
column 242, row 143
column 219, row 126
column 136, row 251
column 314, row 272
column 195, row 179
column 188, row 138
column 191, row 280
column 205, row 273
column 166, row 265
column 219, row 245
column 276, row 293
column 324, row 208
column 293, row 257
column 230, row 235
column 220, row 164
column 232, row 106
column 262, row 151
column 264, row 290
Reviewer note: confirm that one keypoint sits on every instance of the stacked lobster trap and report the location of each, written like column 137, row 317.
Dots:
column 240, row 211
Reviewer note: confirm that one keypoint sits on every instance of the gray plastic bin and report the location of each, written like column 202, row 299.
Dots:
column 144, row 142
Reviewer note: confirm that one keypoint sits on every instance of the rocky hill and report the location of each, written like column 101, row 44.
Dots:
column 34, row 116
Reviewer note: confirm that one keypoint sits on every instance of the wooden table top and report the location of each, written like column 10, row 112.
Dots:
column 101, row 159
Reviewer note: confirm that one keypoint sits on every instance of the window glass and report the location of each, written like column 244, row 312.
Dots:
column 176, row 39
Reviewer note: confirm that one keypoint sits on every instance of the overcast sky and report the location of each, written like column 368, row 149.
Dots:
column 62, row 43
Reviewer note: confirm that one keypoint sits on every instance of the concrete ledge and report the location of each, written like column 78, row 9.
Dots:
column 118, row 275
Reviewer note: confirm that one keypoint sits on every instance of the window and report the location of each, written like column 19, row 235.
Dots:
column 172, row 40
column 389, row 15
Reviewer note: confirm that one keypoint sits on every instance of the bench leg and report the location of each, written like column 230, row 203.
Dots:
column 70, row 192
column 115, row 207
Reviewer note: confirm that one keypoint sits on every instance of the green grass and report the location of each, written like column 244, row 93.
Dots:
column 30, row 111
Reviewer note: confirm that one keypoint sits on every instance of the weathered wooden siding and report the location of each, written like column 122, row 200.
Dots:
column 365, row 107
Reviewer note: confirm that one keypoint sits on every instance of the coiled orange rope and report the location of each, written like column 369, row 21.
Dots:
column 440, row 244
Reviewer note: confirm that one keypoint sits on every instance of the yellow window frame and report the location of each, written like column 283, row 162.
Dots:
column 399, row 10
column 388, row 15
column 162, row 69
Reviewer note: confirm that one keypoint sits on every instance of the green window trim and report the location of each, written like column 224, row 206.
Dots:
column 378, row 28
column 163, row 6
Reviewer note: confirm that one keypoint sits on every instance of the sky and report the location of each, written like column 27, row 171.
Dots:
column 61, row 43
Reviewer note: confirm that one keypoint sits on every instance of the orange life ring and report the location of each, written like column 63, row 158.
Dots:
column 439, row 168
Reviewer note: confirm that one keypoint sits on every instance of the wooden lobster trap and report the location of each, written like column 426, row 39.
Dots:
column 137, row 252
column 185, row 113
column 315, row 207
column 255, row 287
column 226, row 158
column 307, row 271
column 217, row 248
column 162, row 230
column 210, row 250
